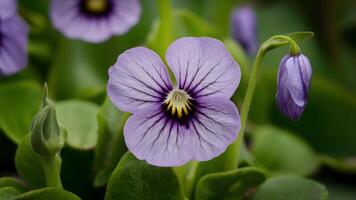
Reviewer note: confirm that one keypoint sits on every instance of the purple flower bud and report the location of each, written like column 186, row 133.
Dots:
column 244, row 28
column 293, row 83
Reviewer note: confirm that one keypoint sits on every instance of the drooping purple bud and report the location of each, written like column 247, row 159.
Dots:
column 244, row 28
column 293, row 83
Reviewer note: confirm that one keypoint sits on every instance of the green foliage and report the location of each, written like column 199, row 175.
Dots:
column 12, row 182
column 46, row 194
column 78, row 118
column 28, row 164
column 7, row 193
column 280, row 151
column 236, row 184
column 19, row 101
column 134, row 179
column 111, row 144
column 291, row 188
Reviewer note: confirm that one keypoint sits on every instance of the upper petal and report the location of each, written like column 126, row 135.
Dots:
column 150, row 135
column 203, row 67
column 138, row 79
column 213, row 128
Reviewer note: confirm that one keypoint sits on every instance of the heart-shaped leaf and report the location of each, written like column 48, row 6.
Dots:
column 279, row 150
column 46, row 194
column 19, row 101
column 28, row 164
column 236, row 184
column 111, row 144
column 78, row 118
column 291, row 188
column 134, row 179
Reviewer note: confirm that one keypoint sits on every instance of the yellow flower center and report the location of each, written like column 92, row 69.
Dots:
column 178, row 103
column 96, row 6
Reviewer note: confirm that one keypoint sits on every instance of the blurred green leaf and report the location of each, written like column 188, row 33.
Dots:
column 12, row 182
column 134, row 179
column 7, row 193
column 28, row 164
column 280, row 151
column 78, row 118
column 236, row 184
column 344, row 165
column 19, row 102
column 298, row 36
column 46, row 194
column 291, row 188
column 111, row 144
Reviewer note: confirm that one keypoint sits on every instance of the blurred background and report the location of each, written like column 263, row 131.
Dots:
column 321, row 145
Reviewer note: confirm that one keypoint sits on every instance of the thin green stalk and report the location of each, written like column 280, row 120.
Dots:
column 165, row 31
column 52, row 169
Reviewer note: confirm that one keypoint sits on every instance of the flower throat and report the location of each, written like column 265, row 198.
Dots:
column 179, row 105
column 96, row 7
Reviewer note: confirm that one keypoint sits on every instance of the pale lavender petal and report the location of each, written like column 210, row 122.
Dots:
column 244, row 28
column 7, row 8
column 13, row 45
column 67, row 16
column 203, row 67
column 150, row 135
column 213, row 128
column 138, row 79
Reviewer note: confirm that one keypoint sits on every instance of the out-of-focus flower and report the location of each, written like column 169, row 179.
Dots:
column 13, row 39
column 94, row 20
column 293, row 83
column 193, row 120
column 244, row 28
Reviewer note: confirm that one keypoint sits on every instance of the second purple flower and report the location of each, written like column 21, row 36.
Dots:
column 173, row 124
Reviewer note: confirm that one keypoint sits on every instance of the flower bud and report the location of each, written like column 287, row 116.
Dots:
column 47, row 138
column 244, row 28
column 293, row 83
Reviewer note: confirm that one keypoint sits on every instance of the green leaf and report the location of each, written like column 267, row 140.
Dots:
column 134, row 179
column 293, row 187
column 345, row 165
column 28, row 164
column 111, row 144
column 19, row 101
column 7, row 193
column 278, row 150
column 78, row 118
column 12, row 182
column 298, row 36
column 46, row 194
column 236, row 184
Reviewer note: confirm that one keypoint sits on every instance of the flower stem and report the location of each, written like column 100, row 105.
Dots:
column 51, row 168
column 248, row 99
column 165, row 30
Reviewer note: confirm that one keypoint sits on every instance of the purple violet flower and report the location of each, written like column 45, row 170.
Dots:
column 193, row 120
column 94, row 20
column 244, row 28
column 13, row 39
column 293, row 83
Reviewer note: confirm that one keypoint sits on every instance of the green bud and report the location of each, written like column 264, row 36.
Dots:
column 47, row 138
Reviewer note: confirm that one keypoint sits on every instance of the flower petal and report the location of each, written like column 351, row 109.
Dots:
column 295, row 84
column 67, row 17
column 7, row 8
column 138, row 79
column 150, row 135
column 214, row 126
column 13, row 45
column 203, row 67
